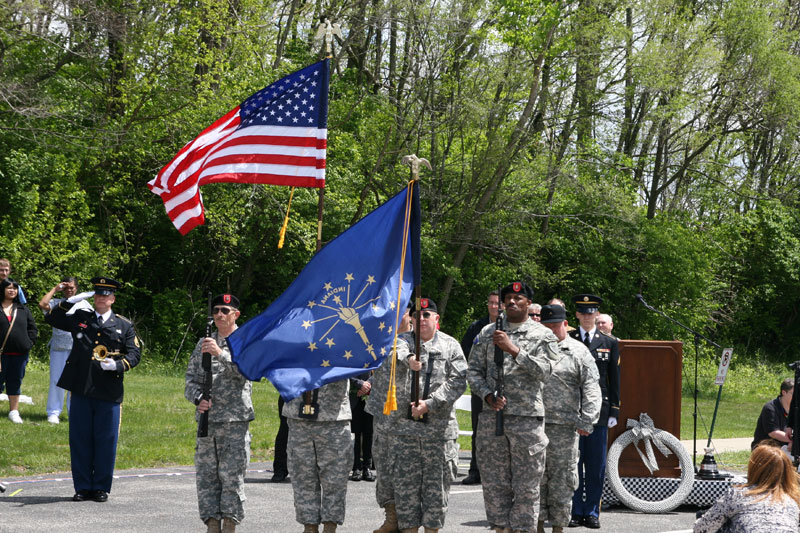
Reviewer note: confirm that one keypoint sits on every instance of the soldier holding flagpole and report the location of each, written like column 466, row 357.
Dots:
column 418, row 445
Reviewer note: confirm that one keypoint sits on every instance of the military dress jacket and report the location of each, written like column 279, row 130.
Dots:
column 572, row 394
column 605, row 351
column 81, row 374
column 443, row 359
column 523, row 376
column 231, row 392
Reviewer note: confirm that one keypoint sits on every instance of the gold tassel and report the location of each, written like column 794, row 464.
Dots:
column 391, row 400
column 285, row 221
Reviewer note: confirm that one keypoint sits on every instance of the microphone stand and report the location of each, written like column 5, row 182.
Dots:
column 697, row 337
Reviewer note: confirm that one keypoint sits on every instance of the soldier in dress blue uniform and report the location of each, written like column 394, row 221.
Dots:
column 593, row 448
column 104, row 347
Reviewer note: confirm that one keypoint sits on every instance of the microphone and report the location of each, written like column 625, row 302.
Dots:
column 639, row 297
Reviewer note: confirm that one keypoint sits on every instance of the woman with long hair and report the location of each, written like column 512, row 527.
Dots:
column 17, row 334
column 768, row 503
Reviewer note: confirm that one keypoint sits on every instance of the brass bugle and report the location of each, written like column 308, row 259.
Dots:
column 101, row 352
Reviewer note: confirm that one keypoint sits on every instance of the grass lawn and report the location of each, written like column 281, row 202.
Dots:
column 158, row 427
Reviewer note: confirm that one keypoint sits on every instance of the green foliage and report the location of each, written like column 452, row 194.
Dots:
column 649, row 148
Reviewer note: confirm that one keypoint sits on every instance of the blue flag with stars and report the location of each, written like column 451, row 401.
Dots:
column 338, row 316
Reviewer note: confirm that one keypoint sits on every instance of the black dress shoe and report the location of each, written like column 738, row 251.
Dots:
column 81, row 496
column 576, row 521
column 471, row 479
column 367, row 475
column 279, row 477
column 592, row 522
column 100, row 496
column 355, row 475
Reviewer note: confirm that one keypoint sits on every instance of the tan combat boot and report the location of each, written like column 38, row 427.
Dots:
column 310, row 528
column 540, row 526
column 228, row 525
column 431, row 530
column 558, row 529
column 329, row 527
column 212, row 526
column 390, row 523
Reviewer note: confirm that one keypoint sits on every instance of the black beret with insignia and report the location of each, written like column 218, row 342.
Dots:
column 517, row 287
column 225, row 299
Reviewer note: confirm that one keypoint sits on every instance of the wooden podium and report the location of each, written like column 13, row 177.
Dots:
column 650, row 382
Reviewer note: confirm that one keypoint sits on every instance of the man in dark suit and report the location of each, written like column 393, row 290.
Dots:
column 476, row 403
column 593, row 448
column 104, row 347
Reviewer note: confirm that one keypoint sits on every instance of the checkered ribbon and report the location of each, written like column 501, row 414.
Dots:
column 644, row 430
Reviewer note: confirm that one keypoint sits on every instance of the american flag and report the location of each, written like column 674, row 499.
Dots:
column 277, row 136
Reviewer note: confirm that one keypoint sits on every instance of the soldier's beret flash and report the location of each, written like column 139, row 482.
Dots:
column 553, row 313
column 105, row 286
column 225, row 299
column 587, row 303
column 426, row 304
column 517, row 287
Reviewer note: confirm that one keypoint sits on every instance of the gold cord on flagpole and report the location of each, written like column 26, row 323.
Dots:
column 391, row 395
column 285, row 221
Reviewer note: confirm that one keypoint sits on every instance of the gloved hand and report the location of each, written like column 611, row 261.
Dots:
column 80, row 297
column 108, row 364
column 612, row 421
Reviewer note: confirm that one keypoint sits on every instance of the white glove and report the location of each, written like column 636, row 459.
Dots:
column 612, row 421
column 108, row 364
column 79, row 297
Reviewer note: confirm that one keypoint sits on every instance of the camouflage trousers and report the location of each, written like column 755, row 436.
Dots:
column 221, row 460
column 320, row 454
column 384, row 488
column 560, row 477
column 451, row 458
column 421, row 480
column 511, row 468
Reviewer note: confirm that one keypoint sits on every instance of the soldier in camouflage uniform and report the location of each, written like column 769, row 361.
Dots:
column 221, row 458
column 384, row 488
column 320, row 452
column 511, row 465
column 418, row 449
column 572, row 402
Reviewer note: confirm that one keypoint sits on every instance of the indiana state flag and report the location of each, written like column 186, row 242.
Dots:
column 338, row 317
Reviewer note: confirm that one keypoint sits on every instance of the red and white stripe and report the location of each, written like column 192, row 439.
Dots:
column 276, row 155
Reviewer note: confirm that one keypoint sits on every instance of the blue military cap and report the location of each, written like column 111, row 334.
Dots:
column 105, row 286
column 587, row 303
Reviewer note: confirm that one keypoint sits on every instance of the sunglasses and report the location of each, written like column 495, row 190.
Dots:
column 223, row 310
column 534, row 314
column 427, row 314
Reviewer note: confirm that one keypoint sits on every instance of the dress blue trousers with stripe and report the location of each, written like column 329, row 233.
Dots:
column 591, row 472
column 93, row 434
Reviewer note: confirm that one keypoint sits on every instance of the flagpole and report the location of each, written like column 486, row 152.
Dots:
column 328, row 30
column 414, row 162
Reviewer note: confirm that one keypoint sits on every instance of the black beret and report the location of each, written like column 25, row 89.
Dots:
column 553, row 313
column 225, row 299
column 516, row 287
column 426, row 304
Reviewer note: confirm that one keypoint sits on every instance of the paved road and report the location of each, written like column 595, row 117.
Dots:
column 164, row 500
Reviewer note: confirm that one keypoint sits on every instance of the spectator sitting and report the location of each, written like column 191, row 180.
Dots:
column 767, row 504
column 773, row 418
